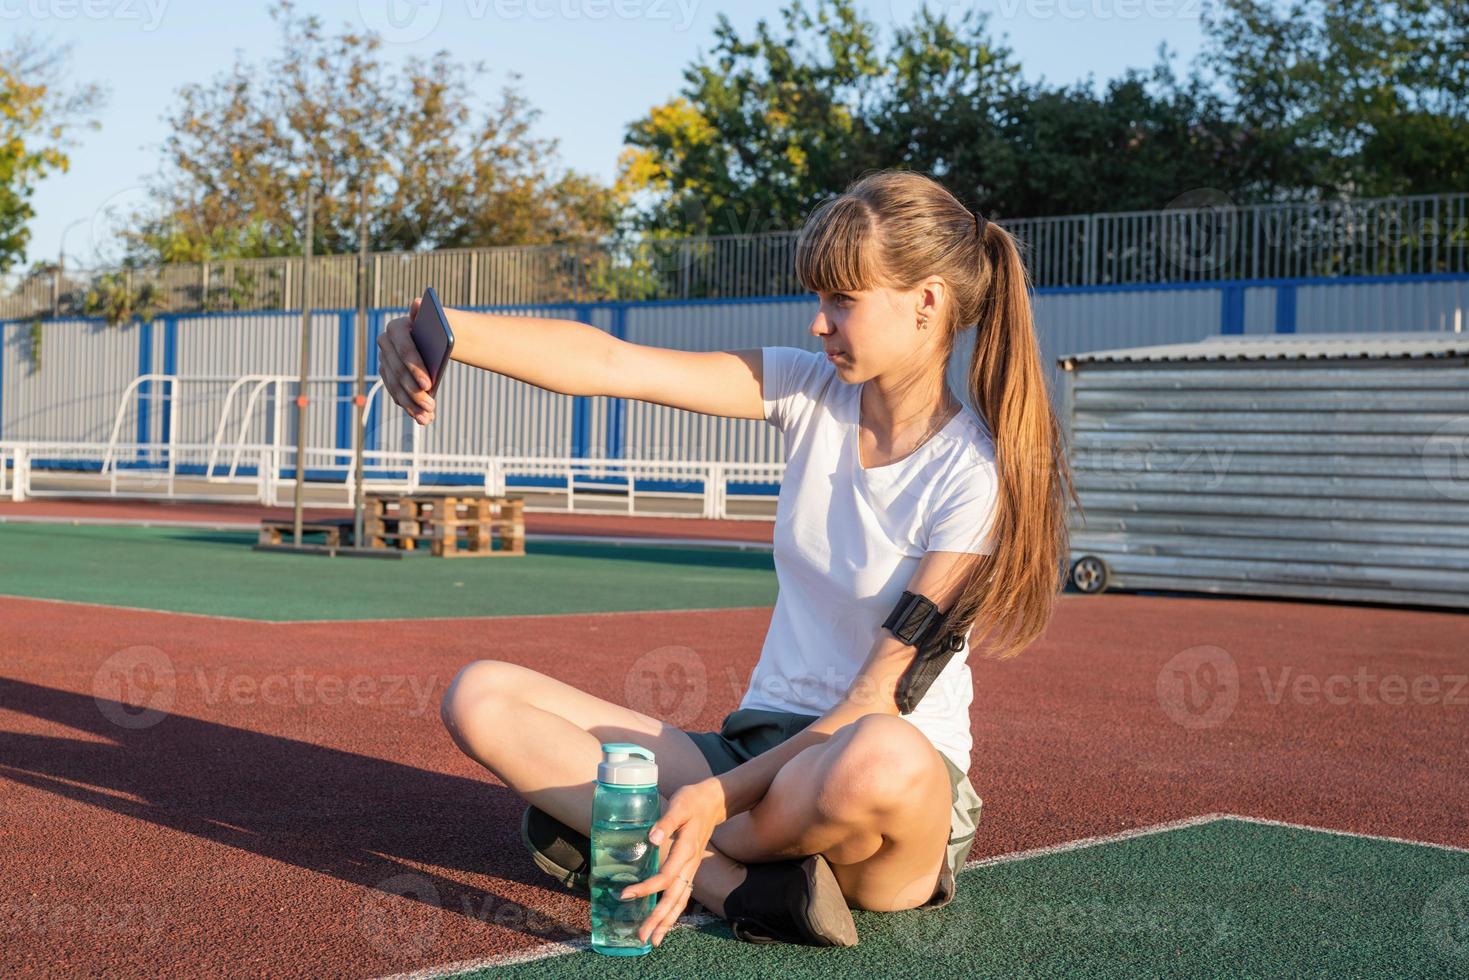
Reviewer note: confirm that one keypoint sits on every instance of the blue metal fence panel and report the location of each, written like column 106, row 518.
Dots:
column 482, row 413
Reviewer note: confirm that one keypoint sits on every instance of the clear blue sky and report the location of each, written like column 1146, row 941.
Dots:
column 591, row 66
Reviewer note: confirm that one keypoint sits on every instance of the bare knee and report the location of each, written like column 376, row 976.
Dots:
column 878, row 768
column 475, row 692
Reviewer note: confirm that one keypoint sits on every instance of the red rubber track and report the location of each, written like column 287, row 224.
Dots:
column 250, row 835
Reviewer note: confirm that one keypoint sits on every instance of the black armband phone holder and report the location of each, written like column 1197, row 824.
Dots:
column 917, row 621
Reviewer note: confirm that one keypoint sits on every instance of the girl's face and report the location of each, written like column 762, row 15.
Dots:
column 872, row 331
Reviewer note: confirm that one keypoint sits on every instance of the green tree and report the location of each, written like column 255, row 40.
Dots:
column 1348, row 97
column 763, row 129
column 38, row 114
column 328, row 110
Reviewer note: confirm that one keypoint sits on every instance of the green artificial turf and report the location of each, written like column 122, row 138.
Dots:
column 217, row 573
column 1226, row 899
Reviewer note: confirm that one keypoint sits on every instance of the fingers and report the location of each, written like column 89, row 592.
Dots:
column 666, row 913
column 404, row 378
column 683, row 852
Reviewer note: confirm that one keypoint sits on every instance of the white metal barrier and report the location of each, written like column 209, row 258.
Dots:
column 230, row 468
column 151, row 471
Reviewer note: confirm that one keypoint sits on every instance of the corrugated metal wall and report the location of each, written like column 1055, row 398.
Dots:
column 85, row 367
column 1302, row 478
column 1068, row 321
column 658, row 432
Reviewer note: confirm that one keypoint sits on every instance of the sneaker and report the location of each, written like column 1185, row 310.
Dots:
column 562, row 852
column 792, row 901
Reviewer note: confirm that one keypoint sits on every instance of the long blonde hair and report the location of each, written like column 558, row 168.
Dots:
column 896, row 228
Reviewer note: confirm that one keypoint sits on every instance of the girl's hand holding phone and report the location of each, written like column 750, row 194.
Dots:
column 405, row 378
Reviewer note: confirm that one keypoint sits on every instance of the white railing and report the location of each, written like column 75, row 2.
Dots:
column 151, row 471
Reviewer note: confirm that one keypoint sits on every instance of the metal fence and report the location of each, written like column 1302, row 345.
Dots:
column 1383, row 236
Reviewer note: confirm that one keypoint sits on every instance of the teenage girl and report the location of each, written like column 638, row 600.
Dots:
column 817, row 795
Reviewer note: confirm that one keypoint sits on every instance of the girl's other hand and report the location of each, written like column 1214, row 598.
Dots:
column 693, row 813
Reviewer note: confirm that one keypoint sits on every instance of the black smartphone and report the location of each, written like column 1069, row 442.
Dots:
column 433, row 337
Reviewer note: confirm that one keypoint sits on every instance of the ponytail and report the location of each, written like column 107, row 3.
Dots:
column 1011, row 592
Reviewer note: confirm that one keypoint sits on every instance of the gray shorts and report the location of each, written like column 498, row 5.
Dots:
column 747, row 732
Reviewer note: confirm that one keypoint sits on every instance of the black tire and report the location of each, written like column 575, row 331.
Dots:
column 1090, row 574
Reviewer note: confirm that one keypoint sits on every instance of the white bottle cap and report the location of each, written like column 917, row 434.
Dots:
column 625, row 764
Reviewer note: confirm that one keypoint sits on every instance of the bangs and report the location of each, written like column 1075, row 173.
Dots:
column 836, row 251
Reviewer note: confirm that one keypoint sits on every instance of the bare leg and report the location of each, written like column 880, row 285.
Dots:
column 874, row 798
column 516, row 723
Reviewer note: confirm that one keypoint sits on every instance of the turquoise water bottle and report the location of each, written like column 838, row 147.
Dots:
column 624, row 809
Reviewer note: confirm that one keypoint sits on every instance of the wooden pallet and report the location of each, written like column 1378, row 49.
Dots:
column 454, row 526
column 273, row 530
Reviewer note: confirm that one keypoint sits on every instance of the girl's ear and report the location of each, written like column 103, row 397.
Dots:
column 930, row 298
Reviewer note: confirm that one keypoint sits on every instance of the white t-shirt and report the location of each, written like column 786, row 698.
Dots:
column 848, row 540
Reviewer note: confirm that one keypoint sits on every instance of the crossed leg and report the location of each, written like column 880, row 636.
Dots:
column 873, row 798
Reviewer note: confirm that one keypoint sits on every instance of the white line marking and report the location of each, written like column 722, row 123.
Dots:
column 1349, row 833
column 348, row 622
column 473, row 619
column 693, row 921
column 129, row 522
column 136, row 609
column 1085, row 842
column 208, row 525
